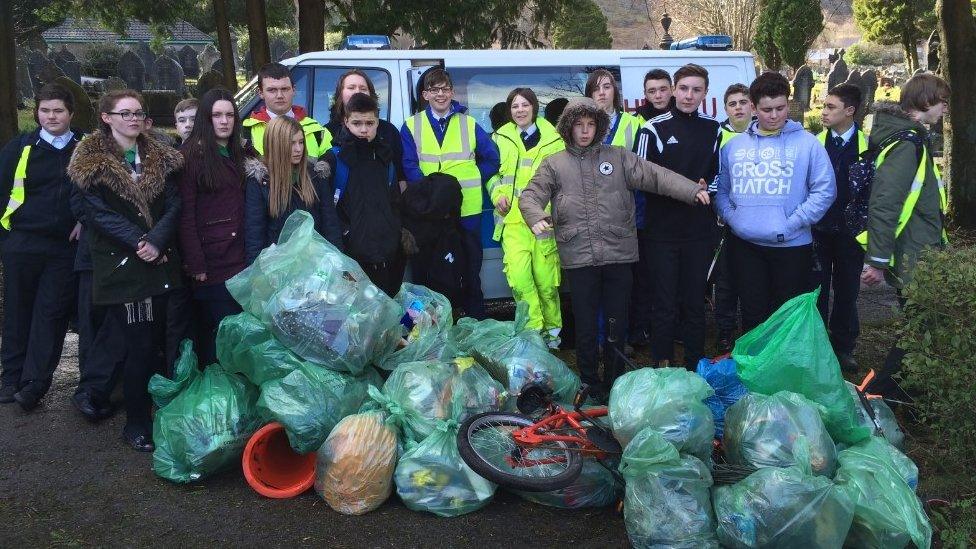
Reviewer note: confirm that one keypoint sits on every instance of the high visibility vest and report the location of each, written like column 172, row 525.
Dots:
column 17, row 191
column 316, row 146
column 913, row 193
column 519, row 165
column 862, row 140
column 626, row 132
column 455, row 155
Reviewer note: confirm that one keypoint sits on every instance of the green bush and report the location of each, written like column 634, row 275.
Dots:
column 101, row 60
column 939, row 337
column 874, row 55
column 812, row 121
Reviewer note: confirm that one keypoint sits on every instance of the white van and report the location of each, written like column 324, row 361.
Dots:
column 483, row 78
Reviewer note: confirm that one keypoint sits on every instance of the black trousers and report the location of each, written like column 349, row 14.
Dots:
column 840, row 259
column 101, row 347
column 605, row 287
column 640, row 303
column 766, row 277
column 726, row 298
column 146, row 354
column 38, row 299
column 180, row 324
column 386, row 276
column 211, row 304
column 680, row 273
column 473, row 299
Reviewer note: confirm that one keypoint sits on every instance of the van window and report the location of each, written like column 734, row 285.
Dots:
column 326, row 79
column 481, row 88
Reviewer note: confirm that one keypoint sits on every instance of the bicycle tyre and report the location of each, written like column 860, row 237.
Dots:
column 479, row 464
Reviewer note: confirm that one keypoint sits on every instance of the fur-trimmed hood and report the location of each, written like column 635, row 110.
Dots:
column 576, row 109
column 889, row 118
column 255, row 168
column 98, row 162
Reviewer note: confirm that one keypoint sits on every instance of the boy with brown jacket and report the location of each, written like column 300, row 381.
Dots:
column 589, row 186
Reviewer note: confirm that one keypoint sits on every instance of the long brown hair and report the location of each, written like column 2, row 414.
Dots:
column 594, row 79
column 338, row 110
column 277, row 157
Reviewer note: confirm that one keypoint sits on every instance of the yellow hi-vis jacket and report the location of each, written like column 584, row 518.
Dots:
column 455, row 155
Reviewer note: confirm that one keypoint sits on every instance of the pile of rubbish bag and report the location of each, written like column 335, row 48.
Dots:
column 798, row 461
column 377, row 388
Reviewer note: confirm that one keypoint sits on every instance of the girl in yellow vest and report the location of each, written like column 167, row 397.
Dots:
column 531, row 262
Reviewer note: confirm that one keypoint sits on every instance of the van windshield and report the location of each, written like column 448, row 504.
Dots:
column 481, row 88
column 326, row 79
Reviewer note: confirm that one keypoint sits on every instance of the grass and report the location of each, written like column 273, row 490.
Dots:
column 25, row 118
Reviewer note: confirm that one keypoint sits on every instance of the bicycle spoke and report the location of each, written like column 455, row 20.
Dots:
column 495, row 444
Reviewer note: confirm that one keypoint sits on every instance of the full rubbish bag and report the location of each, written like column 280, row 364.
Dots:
column 432, row 477
column 317, row 301
column 425, row 323
column 247, row 347
column 887, row 514
column 666, row 501
column 783, row 507
column 670, row 401
column 722, row 377
column 309, row 402
column 887, row 422
column 354, row 467
column 594, row 487
column 202, row 428
column 778, row 431
column 791, row 352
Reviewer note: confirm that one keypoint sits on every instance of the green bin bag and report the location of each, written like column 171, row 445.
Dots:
column 595, row 487
column 887, row 514
column 669, row 400
column 887, row 421
column 204, row 422
column 776, row 507
column 781, row 430
column 245, row 346
column 667, row 501
column 791, row 351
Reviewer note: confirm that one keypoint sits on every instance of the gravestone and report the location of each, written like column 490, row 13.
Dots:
column 208, row 81
column 84, row 116
column 803, row 86
column 217, row 65
column 68, row 63
column 50, row 72
column 114, row 83
column 132, row 71
column 869, row 86
column 206, row 58
column 278, row 47
column 25, row 88
column 169, row 75
column 288, row 53
column 932, row 57
column 148, row 62
column 187, row 57
column 838, row 73
column 854, row 79
column 36, row 61
column 832, row 57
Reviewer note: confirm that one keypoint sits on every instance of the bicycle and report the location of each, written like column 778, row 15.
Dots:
column 516, row 451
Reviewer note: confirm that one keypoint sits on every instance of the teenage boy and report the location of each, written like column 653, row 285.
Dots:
column 840, row 257
column 366, row 194
column 680, row 235
column 739, row 114
column 185, row 113
column 38, row 241
column 775, row 182
column 444, row 138
column 657, row 93
column 276, row 89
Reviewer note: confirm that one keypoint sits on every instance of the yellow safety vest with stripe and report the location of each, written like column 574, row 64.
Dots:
column 912, row 199
column 310, row 127
column 862, row 140
column 519, row 165
column 455, row 155
column 626, row 133
column 17, row 191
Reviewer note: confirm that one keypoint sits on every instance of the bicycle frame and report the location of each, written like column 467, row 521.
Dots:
column 559, row 419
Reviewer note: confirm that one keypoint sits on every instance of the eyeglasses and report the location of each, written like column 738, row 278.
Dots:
column 440, row 90
column 129, row 115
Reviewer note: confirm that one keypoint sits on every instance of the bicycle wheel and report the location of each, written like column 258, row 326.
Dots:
column 485, row 443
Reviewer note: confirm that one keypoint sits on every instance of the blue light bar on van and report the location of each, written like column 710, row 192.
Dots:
column 714, row 42
column 365, row 42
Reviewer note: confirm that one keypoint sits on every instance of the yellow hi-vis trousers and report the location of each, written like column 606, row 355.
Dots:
column 532, row 270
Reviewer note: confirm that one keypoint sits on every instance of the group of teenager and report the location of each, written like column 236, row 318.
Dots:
column 135, row 238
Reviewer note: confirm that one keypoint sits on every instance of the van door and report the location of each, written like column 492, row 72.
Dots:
column 414, row 74
column 723, row 71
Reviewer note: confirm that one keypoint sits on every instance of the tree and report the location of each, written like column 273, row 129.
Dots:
column 785, row 31
column 957, row 27
column 8, row 75
column 222, row 27
column 735, row 18
column 257, row 27
column 311, row 25
column 280, row 13
column 902, row 22
column 581, row 25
